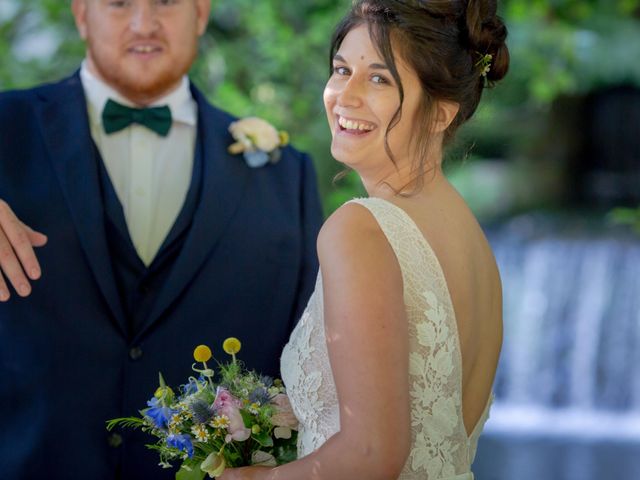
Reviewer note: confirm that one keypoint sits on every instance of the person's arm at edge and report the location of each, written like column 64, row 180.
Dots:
column 18, row 261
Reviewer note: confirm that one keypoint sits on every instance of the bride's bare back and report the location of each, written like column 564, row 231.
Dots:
column 473, row 280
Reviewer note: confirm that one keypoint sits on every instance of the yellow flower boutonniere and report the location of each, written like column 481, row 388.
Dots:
column 257, row 140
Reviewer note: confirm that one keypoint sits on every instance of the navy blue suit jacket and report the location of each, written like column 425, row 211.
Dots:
column 67, row 363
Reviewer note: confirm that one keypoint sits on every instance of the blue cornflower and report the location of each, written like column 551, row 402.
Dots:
column 182, row 442
column 159, row 414
column 191, row 387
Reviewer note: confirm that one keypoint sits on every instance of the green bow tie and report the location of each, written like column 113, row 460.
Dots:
column 116, row 117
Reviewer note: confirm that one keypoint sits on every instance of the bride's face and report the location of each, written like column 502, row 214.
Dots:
column 361, row 99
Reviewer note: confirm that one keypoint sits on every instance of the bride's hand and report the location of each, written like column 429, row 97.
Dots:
column 246, row 473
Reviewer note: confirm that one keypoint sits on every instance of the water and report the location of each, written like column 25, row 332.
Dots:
column 542, row 458
column 567, row 393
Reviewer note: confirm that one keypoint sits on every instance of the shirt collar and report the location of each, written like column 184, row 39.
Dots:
column 180, row 101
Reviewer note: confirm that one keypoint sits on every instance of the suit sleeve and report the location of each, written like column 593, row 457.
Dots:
column 311, row 221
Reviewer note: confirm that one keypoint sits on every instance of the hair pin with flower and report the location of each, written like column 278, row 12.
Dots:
column 484, row 63
column 257, row 140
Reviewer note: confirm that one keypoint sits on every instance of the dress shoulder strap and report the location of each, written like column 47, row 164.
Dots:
column 404, row 236
column 395, row 223
column 418, row 262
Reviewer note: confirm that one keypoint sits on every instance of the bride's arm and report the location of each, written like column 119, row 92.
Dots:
column 367, row 338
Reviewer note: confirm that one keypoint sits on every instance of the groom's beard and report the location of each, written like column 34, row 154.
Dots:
column 139, row 80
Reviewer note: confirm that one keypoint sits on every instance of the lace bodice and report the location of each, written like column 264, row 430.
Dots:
column 440, row 446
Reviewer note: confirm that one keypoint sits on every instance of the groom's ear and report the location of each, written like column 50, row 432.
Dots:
column 203, row 10
column 79, row 9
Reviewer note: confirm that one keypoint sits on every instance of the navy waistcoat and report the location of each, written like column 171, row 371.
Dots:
column 138, row 284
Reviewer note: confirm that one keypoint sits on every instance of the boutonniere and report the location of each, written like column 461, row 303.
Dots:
column 257, row 140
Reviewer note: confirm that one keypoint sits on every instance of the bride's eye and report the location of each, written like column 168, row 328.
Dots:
column 379, row 79
column 340, row 70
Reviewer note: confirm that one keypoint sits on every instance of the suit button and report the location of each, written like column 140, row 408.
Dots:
column 135, row 353
column 114, row 440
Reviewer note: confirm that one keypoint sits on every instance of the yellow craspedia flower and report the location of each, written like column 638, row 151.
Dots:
column 231, row 345
column 202, row 353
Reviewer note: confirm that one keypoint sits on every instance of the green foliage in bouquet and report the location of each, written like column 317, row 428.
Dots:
column 241, row 418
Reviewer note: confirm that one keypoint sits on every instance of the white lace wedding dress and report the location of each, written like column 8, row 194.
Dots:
column 440, row 446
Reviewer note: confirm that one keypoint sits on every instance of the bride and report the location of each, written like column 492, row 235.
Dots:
column 391, row 366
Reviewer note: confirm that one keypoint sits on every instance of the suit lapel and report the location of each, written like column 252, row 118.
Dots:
column 67, row 136
column 224, row 180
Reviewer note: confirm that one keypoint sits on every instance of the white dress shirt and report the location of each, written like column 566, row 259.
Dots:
column 150, row 174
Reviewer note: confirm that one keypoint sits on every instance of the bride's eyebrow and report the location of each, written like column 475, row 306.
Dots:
column 373, row 66
column 378, row 66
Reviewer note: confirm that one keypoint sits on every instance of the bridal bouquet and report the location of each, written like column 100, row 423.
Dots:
column 232, row 417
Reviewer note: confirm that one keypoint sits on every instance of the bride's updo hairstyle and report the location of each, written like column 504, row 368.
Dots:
column 447, row 43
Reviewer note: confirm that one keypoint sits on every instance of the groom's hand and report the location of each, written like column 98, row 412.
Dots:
column 18, row 262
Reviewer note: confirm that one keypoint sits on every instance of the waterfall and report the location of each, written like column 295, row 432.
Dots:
column 572, row 329
column 567, row 393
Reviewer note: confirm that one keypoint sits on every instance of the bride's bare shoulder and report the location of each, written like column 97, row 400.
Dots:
column 353, row 232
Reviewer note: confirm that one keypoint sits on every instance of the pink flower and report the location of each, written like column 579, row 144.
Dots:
column 229, row 406
column 236, row 428
column 284, row 416
column 223, row 398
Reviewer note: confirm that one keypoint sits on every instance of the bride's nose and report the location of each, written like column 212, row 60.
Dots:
column 351, row 93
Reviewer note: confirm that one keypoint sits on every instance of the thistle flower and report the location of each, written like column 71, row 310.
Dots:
column 259, row 395
column 266, row 380
column 200, row 410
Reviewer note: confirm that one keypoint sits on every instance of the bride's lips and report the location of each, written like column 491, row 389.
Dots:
column 353, row 127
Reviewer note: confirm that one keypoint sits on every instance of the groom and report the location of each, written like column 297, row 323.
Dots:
column 158, row 240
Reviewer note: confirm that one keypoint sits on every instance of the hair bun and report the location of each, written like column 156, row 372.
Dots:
column 487, row 34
